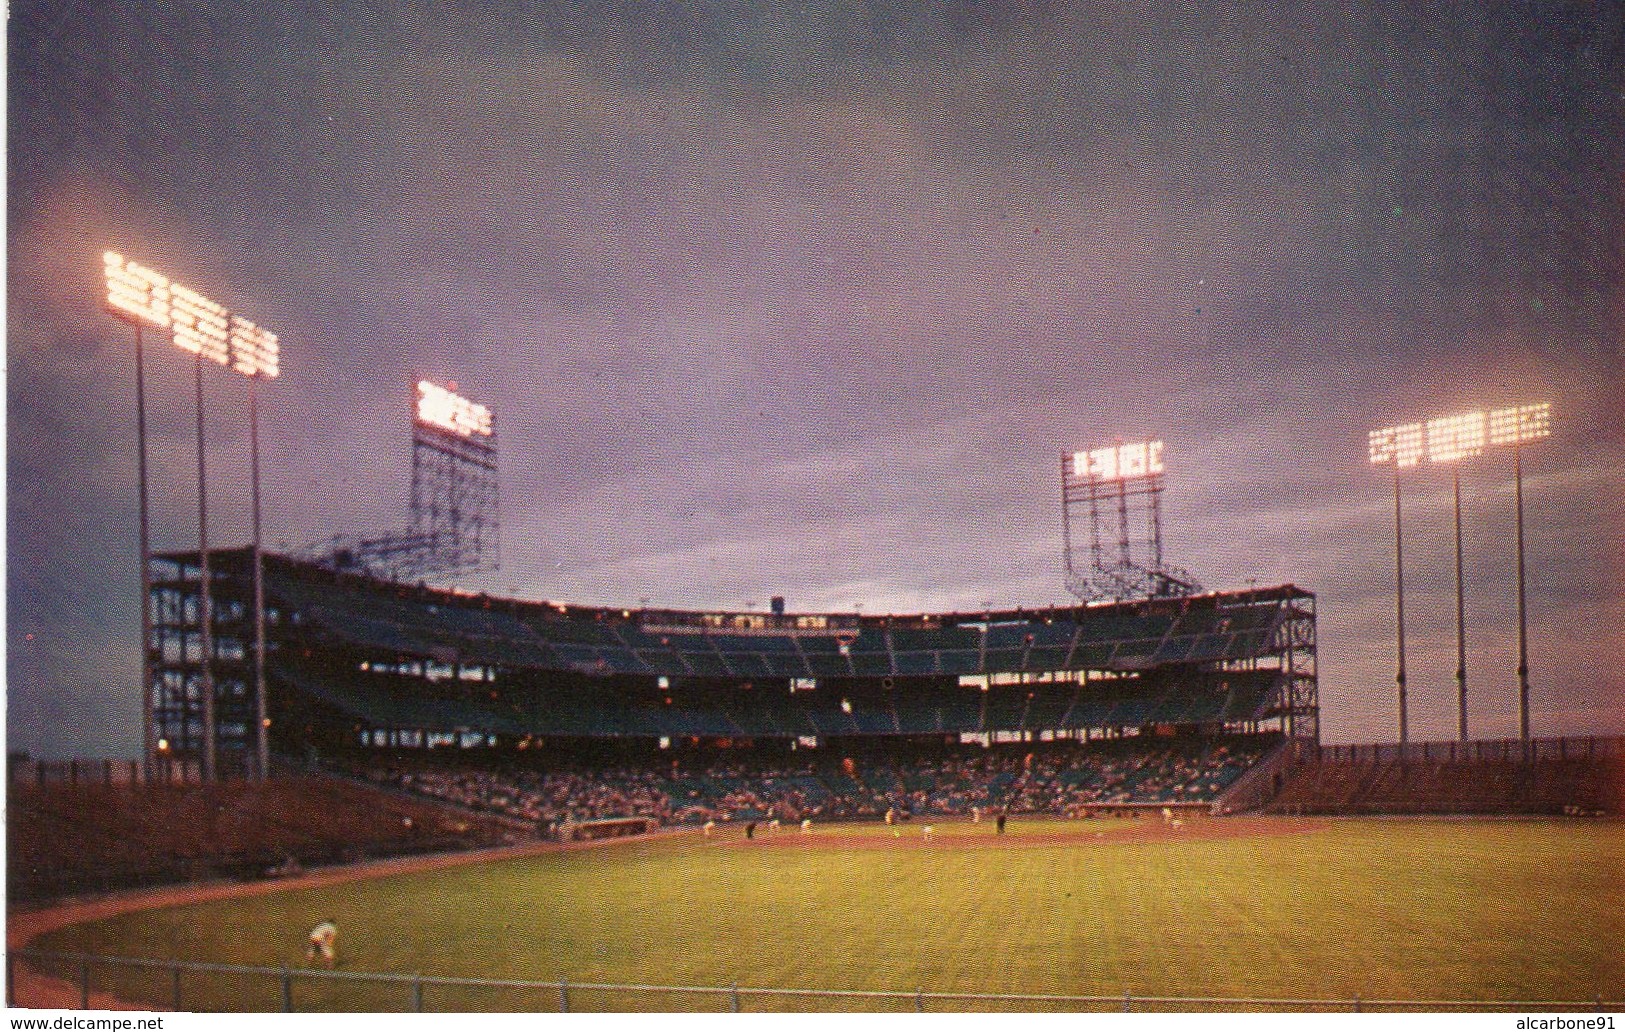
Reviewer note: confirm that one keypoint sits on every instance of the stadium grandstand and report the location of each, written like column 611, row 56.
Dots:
column 1147, row 702
column 1108, row 777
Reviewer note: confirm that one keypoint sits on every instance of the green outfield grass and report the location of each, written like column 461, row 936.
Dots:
column 1396, row 909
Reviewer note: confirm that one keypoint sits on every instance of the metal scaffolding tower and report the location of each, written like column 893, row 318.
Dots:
column 1119, row 489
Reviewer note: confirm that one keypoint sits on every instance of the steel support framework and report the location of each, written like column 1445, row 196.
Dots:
column 1295, row 645
column 179, row 686
column 1291, row 652
column 1124, row 560
column 453, row 510
column 454, row 499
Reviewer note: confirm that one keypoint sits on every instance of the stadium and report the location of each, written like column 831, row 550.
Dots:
column 472, row 802
column 629, row 777
column 362, row 791
column 367, row 663
column 766, row 665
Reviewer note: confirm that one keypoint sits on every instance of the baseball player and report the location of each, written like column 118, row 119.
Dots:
column 323, row 942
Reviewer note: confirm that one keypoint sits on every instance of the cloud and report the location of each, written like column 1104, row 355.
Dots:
column 809, row 299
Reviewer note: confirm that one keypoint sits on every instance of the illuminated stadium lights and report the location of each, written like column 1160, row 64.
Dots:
column 135, row 292
column 1521, row 424
column 1450, row 439
column 197, row 325
column 454, row 483
column 1120, row 488
column 1456, row 437
column 254, row 351
column 440, row 408
column 1404, row 446
column 454, row 501
column 1119, row 462
column 206, row 329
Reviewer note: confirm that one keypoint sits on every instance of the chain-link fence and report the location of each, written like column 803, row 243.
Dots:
column 192, row 985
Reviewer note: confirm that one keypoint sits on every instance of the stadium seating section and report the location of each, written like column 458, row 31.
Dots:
column 368, row 614
column 543, row 706
column 1058, row 779
column 1467, row 785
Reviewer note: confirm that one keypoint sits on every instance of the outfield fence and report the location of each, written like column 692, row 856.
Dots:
column 193, row 985
column 1589, row 747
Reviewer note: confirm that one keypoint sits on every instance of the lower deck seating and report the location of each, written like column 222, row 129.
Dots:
column 1025, row 778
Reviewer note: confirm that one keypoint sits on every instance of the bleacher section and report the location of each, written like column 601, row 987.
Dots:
column 1548, row 776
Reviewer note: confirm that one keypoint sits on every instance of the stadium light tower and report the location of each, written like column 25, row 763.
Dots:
column 206, row 330
column 1111, row 483
column 1519, row 426
column 454, row 479
column 140, row 300
column 454, row 503
column 256, row 355
column 1451, row 439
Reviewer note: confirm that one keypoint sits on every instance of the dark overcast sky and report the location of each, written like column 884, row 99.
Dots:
column 807, row 298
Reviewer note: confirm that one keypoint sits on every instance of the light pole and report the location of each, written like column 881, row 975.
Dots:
column 262, row 722
column 140, row 296
column 256, row 354
column 148, row 743
column 202, row 327
column 1461, row 620
column 1523, row 612
column 1403, row 447
column 1450, row 439
column 1399, row 616
column 1518, row 427
column 205, row 602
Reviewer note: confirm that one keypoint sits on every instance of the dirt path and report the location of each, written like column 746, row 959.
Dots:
column 1100, row 832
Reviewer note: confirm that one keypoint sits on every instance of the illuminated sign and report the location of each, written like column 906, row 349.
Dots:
column 1451, row 438
column 197, row 325
column 443, row 410
column 1119, row 462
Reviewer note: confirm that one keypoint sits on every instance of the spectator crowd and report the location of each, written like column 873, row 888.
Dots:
column 1070, row 780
